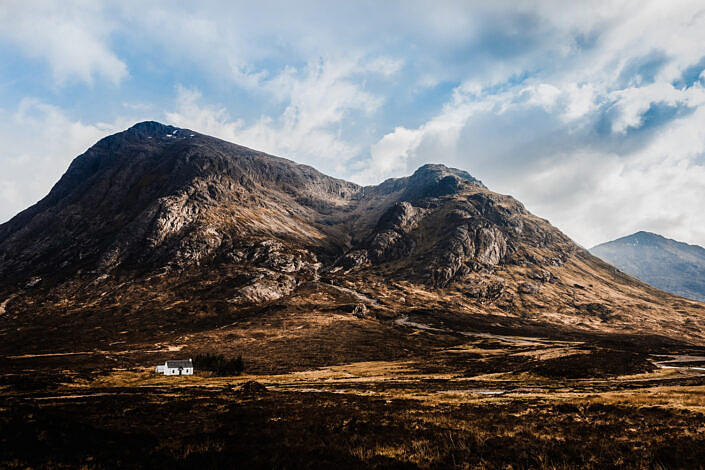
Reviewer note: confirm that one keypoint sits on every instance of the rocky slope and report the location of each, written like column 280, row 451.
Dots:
column 670, row 265
column 161, row 235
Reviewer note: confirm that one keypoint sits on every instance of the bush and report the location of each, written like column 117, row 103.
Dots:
column 219, row 364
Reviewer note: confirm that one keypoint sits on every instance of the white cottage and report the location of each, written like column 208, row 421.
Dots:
column 176, row 367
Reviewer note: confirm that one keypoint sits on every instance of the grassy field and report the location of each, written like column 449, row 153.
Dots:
column 492, row 402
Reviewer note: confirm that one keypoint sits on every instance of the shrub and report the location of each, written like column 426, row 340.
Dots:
column 219, row 364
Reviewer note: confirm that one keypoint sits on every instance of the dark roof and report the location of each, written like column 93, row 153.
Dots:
column 179, row 363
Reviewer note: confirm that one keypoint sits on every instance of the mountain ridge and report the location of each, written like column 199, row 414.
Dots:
column 665, row 263
column 194, row 240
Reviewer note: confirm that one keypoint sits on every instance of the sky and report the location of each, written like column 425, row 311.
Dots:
column 590, row 113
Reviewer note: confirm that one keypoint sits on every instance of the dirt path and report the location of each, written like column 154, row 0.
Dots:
column 403, row 320
column 168, row 348
column 677, row 359
column 361, row 297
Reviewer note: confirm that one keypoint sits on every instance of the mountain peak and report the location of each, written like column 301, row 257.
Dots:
column 153, row 129
column 643, row 237
column 431, row 180
column 437, row 171
column 642, row 234
column 668, row 264
column 142, row 133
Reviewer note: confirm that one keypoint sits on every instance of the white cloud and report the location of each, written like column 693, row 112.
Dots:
column 72, row 37
column 528, row 147
column 316, row 99
column 581, row 110
column 579, row 100
column 543, row 94
column 389, row 155
column 39, row 142
column 631, row 103
column 587, row 126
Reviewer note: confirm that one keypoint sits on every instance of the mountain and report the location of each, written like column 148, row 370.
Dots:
column 670, row 265
column 164, row 237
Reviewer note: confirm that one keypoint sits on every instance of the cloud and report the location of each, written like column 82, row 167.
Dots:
column 588, row 112
column 39, row 142
column 592, row 124
column 71, row 36
column 315, row 100
column 531, row 142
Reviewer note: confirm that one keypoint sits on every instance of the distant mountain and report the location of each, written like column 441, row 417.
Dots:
column 164, row 235
column 664, row 263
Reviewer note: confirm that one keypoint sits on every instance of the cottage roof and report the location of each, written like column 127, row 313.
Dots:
column 175, row 364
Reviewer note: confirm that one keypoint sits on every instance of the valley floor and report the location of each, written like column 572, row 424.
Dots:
column 491, row 402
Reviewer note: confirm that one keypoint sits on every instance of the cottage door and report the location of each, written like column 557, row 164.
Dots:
column 180, row 369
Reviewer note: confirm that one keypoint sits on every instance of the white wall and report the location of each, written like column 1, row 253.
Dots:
column 175, row 371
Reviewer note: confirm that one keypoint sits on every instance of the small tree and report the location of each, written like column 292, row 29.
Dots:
column 219, row 364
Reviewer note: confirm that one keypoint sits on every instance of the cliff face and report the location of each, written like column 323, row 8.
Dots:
column 167, row 231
